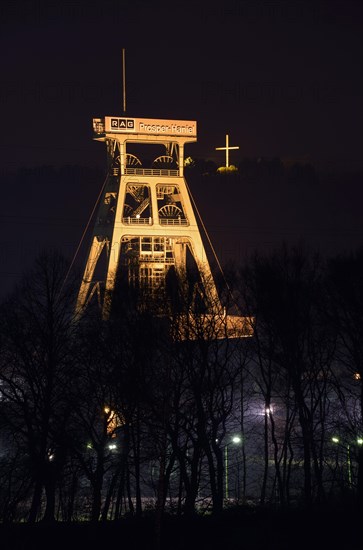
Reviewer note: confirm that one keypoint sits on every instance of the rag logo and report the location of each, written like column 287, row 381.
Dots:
column 123, row 123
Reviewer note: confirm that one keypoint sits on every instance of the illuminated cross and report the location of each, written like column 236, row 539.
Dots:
column 227, row 149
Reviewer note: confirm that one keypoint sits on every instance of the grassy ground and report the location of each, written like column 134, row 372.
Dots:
column 240, row 529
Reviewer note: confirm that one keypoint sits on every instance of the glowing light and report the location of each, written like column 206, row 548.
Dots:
column 360, row 441
column 114, row 421
column 236, row 439
column 189, row 161
column 335, row 439
column 357, row 376
column 51, row 456
column 112, row 446
column 227, row 169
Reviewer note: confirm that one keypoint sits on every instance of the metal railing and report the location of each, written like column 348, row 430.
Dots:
column 150, row 257
column 172, row 221
column 148, row 221
column 137, row 221
column 151, row 172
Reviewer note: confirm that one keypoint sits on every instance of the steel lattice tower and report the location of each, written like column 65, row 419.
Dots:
column 146, row 225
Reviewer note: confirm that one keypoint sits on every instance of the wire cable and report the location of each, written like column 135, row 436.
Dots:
column 211, row 245
column 84, row 233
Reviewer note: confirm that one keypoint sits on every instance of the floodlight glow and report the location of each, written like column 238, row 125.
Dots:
column 360, row 441
column 236, row 439
column 335, row 439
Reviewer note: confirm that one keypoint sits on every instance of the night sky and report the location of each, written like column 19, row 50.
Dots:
column 282, row 78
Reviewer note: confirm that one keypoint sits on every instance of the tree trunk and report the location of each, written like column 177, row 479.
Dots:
column 36, row 501
column 97, row 488
column 50, row 490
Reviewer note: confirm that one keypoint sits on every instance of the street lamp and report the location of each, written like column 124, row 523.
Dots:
column 236, row 439
column 359, row 441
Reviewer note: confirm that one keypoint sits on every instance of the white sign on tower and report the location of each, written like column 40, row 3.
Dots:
column 151, row 126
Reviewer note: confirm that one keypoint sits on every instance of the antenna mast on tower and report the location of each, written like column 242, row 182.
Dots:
column 123, row 81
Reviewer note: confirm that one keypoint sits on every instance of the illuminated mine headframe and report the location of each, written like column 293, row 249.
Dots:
column 146, row 226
